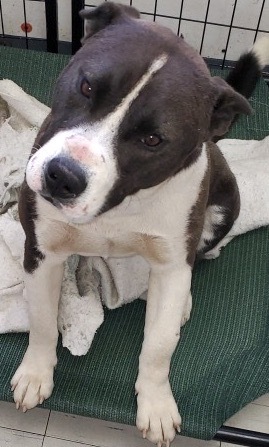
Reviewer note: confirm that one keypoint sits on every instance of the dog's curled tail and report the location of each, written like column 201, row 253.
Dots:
column 247, row 71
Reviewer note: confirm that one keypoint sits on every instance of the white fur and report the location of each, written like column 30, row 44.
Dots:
column 214, row 216
column 147, row 213
column 33, row 380
column 261, row 50
column 97, row 141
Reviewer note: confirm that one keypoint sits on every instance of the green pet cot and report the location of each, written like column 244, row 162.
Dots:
column 222, row 361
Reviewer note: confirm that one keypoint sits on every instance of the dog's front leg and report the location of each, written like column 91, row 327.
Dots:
column 33, row 380
column 169, row 290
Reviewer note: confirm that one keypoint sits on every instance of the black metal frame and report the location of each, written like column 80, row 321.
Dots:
column 247, row 438
column 237, row 436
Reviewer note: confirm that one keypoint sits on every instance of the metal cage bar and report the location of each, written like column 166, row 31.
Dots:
column 155, row 11
column 259, row 20
column 180, row 16
column 204, row 28
column 77, row 24
column 51, row 12
column 25, row 25
column 1, row 18
column 229, row 34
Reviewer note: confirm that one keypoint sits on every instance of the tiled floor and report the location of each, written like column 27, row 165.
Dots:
column 44, row 428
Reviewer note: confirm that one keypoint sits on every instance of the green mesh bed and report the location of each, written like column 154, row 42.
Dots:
column 222, row 361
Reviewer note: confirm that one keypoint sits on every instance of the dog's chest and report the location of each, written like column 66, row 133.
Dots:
column 153, row 223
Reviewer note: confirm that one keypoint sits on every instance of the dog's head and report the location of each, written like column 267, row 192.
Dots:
column 131, row 109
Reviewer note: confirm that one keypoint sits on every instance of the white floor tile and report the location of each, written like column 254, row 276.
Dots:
column 252, row 417
column 13, row 438
column 263, row 400
column 34, row 421
column 65, row 430
column 190, row 442
column 106, row 434
column 53, row 442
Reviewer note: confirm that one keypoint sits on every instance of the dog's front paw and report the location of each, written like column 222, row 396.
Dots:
column 157, row 413
column 32, row 384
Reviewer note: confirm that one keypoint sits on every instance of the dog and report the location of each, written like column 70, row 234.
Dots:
column 124, row 165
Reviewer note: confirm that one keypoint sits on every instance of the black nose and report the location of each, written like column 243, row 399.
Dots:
column 64, row 178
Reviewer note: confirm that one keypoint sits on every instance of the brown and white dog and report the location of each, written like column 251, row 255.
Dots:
column 122, row 166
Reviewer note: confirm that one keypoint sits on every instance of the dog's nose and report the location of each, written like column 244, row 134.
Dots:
column 64, row 178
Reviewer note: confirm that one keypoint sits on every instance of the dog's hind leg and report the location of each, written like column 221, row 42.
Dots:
column 33, row 380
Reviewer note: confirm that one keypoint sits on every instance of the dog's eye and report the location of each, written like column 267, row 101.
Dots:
column 85, row 88
column 152, row 140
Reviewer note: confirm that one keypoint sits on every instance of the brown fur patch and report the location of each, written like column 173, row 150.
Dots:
column 152, row 248
column 64, row 239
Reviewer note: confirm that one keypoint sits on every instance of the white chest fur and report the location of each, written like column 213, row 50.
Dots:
column 152, row 223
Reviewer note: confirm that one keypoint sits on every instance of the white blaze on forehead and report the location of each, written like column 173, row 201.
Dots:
column 102, row 133
column 112, row 121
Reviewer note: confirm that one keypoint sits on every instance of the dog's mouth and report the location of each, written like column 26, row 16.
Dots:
column 58, row 202
column 74, row 211
column 47, row 198
column 50, row 199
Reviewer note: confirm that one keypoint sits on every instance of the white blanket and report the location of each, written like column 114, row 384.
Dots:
column 91, row 282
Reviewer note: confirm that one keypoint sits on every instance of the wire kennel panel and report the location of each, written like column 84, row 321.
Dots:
column 219, row 29
column 29, row 24
column 15, row 14
column 20, row 19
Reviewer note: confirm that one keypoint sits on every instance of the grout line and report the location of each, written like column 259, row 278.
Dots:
column 259, row 405
column 70, row 440
column 56, row 437
column 47, row 423
column 46, row 428
column 21, row 431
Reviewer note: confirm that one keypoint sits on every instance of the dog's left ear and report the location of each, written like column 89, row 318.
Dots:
column 104, row 15
column 228, row 105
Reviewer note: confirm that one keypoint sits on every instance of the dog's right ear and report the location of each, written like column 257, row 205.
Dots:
column 104, row 15
column 229, row 104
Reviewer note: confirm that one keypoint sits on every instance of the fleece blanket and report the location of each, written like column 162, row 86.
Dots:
column 91, row 282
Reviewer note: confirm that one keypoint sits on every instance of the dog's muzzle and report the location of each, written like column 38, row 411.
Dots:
column 63, row 179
